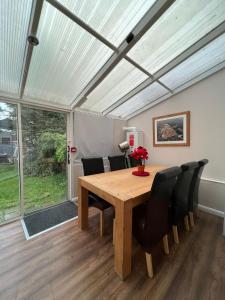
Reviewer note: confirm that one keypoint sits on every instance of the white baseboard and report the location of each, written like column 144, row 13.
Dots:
column 212, row 211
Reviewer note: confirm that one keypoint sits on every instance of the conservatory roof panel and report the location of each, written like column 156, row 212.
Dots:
column 85, row 60
column 208, row 57
column 65, row 60
column 146, row 96
column 14, row 22
column 183, row 24
column 113, row 19
column 118, row 83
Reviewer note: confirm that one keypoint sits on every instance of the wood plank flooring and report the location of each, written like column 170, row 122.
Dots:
column 67, row 263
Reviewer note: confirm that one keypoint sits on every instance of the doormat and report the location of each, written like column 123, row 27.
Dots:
column 46, row 219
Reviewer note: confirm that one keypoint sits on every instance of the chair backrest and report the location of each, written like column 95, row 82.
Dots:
column 92, row 165
column 117, row 162
column 133, row 162
column 157, row 212
column 180, row 199
column 194, row 188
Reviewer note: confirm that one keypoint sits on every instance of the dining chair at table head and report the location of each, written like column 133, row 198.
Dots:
column 194, row 189
column 180, row 198
column 93, row 166
column 117, row 162
column 150, row 220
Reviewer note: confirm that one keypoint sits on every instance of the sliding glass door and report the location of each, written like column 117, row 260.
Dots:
column 33, row 159
column 9, row 178
column 44, row 158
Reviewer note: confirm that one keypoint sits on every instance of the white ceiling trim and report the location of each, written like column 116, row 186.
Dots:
column 35, row 103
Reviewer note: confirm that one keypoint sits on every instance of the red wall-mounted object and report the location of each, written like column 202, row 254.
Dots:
column 73, row 149
column 131, row 140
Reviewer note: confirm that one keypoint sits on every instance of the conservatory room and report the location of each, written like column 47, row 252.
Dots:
column 112, row 177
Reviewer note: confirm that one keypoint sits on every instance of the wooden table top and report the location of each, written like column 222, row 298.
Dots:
column 122, row 184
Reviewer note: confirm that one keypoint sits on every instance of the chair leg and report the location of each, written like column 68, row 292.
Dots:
column 197, row 213
column 149, row 264
column 186, row 223
column 165, row 244
column 191, row 216
column 101, row 223
column 175, row 234
column 114, row 230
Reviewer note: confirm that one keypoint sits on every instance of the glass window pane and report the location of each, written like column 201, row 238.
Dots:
column 9, row 178
column 44, row 148
column 65, row 60
column 203, row 60
column 146, row 96
column 14, row 21
column 123, row 78
column 112, row 19
column 184, row 23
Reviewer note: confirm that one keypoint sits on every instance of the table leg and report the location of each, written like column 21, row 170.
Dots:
column 123, row 239
column 82, row 207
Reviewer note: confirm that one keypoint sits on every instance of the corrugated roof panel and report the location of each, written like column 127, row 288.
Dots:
column 113, row 19
column 65, row 60
column 200, row 62
column 14, row 23
column 123, row 78
column 183, row 24
column 146, row 96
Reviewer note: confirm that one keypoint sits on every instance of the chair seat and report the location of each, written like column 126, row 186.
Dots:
column 95, row 201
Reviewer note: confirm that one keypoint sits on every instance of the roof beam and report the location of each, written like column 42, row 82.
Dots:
column 32, row 30
column 209, row 37
column 184, row 86
column 154, row 13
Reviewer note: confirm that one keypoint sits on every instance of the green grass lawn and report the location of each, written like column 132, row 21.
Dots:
column 39, row 192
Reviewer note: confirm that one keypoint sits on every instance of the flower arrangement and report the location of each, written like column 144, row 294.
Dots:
column 140, row 154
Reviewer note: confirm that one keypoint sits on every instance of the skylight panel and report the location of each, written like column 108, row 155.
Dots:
column 122, row 79
column 203, row 60
column 65, row 60
column 14, row 22
column 145, row 97
column 184, row 23
column 113, row 19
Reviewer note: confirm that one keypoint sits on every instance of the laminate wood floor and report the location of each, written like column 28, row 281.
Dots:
column 67, row 263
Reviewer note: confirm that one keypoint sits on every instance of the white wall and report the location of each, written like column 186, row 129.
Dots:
column 206, row 102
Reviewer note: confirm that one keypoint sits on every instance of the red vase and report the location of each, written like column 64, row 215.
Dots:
column 141, row 168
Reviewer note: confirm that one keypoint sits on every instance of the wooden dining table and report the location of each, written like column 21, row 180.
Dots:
column 124, row 191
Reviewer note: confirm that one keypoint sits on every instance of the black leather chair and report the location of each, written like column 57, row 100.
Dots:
column 180, row 198
column 194, row 190
column 133, row 162
column 117, row 162
column 150, row 220
column 93, row 166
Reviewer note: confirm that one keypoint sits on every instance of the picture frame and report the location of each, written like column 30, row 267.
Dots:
column 171, row 130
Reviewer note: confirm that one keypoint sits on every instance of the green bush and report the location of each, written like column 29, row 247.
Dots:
column 47, row 156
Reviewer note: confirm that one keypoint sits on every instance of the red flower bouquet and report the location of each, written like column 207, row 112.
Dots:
column 140, row 154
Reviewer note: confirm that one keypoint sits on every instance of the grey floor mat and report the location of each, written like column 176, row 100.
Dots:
column 47, row 218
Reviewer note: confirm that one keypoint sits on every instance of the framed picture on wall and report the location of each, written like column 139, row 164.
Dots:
column 172, row 130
